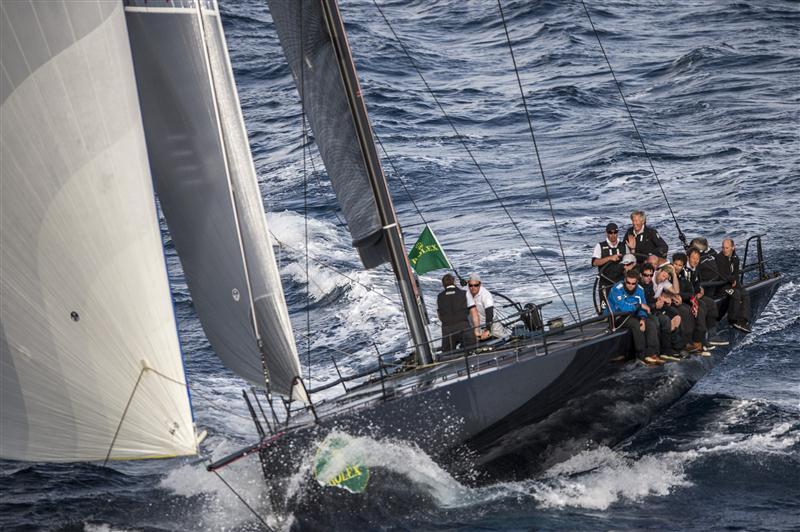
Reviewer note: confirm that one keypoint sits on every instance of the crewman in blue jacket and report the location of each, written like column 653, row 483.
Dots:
column 628, row 296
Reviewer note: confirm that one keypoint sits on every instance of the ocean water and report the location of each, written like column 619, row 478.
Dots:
column 713, row 87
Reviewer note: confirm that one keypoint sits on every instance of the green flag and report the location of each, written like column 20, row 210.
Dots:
column 427, row 255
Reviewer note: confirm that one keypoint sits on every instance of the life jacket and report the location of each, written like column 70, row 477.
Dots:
column 611, row 271
column 606, row 249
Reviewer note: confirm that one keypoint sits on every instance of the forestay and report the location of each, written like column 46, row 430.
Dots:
column 207, row 187
column 91, row 365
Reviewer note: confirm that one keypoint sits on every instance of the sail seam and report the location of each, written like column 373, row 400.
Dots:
column 182, row 10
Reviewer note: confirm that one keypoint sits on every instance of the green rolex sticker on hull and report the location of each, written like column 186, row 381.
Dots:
column 337, row 465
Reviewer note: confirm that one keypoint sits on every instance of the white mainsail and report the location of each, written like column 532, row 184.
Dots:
column 91, row 365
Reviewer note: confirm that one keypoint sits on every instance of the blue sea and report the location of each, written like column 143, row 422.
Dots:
column 714, row 88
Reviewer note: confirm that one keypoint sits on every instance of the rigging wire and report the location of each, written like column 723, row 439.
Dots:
column 400, row 178
column 410, row 197
column 472, row 157
column 681, row 236
column 247, row 505
column 306, row 148
column 538, row 157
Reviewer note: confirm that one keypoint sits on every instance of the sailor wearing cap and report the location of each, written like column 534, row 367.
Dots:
column 607, row 256
column 628, row 262
column 484, row 304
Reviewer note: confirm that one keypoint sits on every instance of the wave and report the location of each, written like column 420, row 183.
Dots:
column 595, row 479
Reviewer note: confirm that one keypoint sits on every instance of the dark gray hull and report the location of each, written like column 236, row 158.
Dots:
column 515, row 418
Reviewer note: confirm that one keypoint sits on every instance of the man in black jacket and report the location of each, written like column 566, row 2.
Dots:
column 643, row 241
column 454, row 307
column 738, row 299
column 707, row 270
column 683, row 304
column 707, row 306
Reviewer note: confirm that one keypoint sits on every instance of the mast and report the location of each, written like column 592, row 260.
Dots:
column 409, row 291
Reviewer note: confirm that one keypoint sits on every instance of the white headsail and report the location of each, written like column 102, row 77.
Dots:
column 91, row 365
column 207, row 186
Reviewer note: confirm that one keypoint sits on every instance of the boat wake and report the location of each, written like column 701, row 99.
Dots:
column 402, row 476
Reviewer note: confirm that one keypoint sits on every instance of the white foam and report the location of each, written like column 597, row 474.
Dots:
column 593, row 479
column 609, row 477
column 221, row 508
column 104, row 527
column 398, row 457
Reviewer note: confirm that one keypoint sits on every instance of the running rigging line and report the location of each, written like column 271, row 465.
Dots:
column 681, row 236
column 472, row 157
column 538, row 158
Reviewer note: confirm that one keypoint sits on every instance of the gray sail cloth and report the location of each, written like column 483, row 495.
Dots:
column 208, row 191
column 90, row 364
column 326, row 105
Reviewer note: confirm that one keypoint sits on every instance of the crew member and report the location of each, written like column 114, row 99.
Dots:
column 707, row 270
column 606, row 257
column 628, row 263
column 454, row 308
column 685, row 306
column 643, row 241
column 657, row 289
column 738, row 299
column 484, row 305
column 704, row 308
column 628, row 296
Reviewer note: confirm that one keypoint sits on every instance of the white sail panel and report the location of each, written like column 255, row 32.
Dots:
column 206, row 184
column 91, row 365
column 272, row 315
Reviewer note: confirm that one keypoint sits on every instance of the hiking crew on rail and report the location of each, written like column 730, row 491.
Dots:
column 673, row 309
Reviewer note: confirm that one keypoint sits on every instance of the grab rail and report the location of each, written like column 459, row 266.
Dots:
column 760, row 262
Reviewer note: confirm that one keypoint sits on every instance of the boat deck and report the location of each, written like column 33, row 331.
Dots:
column 394, row 381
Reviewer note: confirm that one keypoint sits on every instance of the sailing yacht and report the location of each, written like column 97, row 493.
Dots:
column 106, row 104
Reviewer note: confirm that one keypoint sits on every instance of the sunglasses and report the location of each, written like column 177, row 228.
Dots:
column 611, row 232
column 647, row 275
column 630, row 284
column 474, row 285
